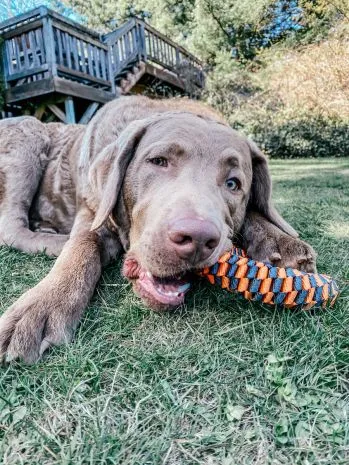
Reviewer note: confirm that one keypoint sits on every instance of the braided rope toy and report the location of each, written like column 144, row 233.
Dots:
column 263, row 282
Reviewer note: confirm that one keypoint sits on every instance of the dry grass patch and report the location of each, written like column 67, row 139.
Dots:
column 314, row 79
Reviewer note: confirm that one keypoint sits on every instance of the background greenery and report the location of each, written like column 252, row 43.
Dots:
column 277, row 69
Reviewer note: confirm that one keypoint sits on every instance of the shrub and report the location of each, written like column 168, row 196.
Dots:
column 300, row 137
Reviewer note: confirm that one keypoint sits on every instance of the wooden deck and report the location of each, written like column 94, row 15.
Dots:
column 49, row 58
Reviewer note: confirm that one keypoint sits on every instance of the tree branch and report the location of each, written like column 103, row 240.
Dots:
column 218, row 21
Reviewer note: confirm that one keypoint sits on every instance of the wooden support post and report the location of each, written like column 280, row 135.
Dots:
column 58, row 112
column 6, row 61
column 69, row 111
column 89, row 112
column 39, row 112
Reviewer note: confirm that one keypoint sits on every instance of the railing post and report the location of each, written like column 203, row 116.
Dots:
column 49, row 44
column 142, row 43
column 177, row 58
column 110, row 69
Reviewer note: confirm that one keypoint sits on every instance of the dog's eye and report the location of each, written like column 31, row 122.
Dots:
column 233, row 184
column 158, row 161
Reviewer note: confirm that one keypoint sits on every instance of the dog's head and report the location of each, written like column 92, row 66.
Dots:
column 177, row 187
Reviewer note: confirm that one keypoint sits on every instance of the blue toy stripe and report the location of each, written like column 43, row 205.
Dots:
column 252, row 272
column 232, row 271
column 312, row 281
column 300, row 299
column 218, row 280
column 273, row 272
column 214, row 268
column 298, row 286
column 279, row 298
column 277, row 285
column 318, row 294
column 254, row 286
column 233, row 259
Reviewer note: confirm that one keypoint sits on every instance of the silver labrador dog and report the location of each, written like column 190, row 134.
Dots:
column 167, row 182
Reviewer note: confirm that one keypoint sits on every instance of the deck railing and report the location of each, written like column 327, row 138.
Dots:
column 45, row 44
column 137, row 40
column 42, row 44
column 126, row 46
column 80, row 56
column 24, row 49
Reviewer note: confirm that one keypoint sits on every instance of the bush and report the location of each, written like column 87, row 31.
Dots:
column 300, row 137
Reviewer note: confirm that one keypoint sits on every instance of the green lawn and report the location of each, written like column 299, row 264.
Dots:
column 220, row 382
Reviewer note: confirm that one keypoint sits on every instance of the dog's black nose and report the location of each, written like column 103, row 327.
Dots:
column 193, row 239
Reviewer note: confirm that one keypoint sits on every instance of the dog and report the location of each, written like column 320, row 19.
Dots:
column 167, row 182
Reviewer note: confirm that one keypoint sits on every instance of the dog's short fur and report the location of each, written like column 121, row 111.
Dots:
column 87, row 193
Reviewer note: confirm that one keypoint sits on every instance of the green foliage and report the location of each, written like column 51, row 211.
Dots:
column 230, row 85
column 205, row 26
column 299, row 137
column 228, row 37
column 319, row 16
column 10, row 8
column 104, row 16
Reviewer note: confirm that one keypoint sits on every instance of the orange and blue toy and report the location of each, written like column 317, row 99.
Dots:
column 264, row 282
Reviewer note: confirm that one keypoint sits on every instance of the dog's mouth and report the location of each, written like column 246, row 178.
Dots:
column 167, row 291
column 158, row 292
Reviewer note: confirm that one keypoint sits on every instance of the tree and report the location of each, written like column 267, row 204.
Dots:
column 10, row 8
column 207, row 27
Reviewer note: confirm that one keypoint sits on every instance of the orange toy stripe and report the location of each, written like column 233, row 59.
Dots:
column 263, row 273
column 265, row 285
column 287, row 285
column 223, row 269
column 243, row 284
column 241, row 271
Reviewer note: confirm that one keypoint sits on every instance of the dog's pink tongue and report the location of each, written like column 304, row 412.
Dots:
column 169, row 291
column 168, row 285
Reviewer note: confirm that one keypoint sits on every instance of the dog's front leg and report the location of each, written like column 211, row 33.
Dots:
column 49, row 313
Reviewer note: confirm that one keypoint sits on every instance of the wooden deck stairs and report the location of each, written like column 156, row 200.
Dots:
column 60, row 70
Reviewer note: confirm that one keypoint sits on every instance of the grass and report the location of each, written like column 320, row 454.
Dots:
column 223, row 381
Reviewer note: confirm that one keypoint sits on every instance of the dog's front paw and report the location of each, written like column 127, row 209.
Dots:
column 36, row 321
column 285, row 251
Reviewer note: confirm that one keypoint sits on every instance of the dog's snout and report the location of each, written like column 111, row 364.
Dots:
column 193, row 239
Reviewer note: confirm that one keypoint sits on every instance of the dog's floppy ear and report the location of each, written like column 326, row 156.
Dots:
column 260, row 197
column 107, row 171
